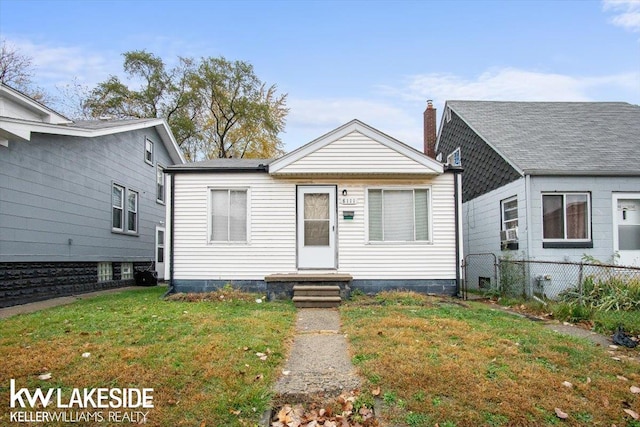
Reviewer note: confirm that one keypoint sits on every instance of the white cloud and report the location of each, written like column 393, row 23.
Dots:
column 627, row 13
column 59, row 65
column 398, row 110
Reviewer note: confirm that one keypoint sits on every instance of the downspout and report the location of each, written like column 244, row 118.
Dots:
column 171, row 233
column 458, row 217
column 528, row 214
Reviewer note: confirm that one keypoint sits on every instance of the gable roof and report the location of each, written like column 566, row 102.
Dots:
column 558, row 138
column 18, row 128
column 391, row 155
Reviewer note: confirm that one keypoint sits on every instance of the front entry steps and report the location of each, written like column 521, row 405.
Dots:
column 310, row 289
column 316, row 296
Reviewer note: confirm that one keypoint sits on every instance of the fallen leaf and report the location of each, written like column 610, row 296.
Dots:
column 567, row 384
column 46, row 376
column 203, row 424
column 560, row 414
column 613, row 346
column 588, row 380
column 259, row 300
column 258, row 377
column 634, row 389
column 285, row 373
column 616, row 358
column 621, row 378
column 246, row 348
column 283, row 414
column 85, row 355
column 605, row 401
column 633, row 414
column 236, row 413
column 376, row 391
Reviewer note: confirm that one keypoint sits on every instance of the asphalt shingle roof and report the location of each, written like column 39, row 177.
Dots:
column 564, row 137
column 224, row 164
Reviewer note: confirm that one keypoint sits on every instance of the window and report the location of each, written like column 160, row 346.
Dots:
column 228, row 215
column 454, row 158
column 160, row 184
column 132, row 211
column 509, row 208
column 566, row 217
column 148, row 151
column 124, row 210
column 398, row 215
column 160, row 246
column 126, row 270
column 117, row 203
column 105, row 272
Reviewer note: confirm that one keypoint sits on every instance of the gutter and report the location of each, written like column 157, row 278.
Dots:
column 239, row 169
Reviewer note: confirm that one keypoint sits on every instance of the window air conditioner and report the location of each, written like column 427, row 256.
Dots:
column 510, row 235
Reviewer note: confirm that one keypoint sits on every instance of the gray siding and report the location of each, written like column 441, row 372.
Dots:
column 55, row 197
column 601, row 189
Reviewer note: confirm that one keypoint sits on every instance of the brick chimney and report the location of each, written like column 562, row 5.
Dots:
column 430, row 130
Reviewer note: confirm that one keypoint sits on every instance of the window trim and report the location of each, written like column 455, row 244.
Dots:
column 414, row 242
column 136, row 211
column 160, row 168
column 503, row 222
column 124, row 214
column 151, row 151
column 121, row 207
column 566, row 243
column 247, row 240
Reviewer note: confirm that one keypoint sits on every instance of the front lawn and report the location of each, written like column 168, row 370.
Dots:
column 199, row 357
column 437, row 360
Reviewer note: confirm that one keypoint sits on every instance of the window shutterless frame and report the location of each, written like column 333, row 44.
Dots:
column 228, row 215
column 507, row 208
column 118, row 194
column 160, row 184
column 565, row 234
column 384, row 238
column 148, row 151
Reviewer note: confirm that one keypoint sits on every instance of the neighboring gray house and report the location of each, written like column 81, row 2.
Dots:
column 82, row 204
column 550, row 181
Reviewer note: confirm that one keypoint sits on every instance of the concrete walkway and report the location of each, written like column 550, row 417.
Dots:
column 319, row 362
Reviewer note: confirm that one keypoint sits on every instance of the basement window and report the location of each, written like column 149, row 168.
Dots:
column 105, row 272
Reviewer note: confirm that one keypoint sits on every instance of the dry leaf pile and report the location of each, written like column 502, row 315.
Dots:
column 341, row 414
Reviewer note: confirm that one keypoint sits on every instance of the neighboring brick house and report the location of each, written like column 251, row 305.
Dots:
column 82, row 204
column 550, row 181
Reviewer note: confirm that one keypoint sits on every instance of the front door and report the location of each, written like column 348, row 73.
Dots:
column 316, row 227
column 160, row 252
column 627, row 228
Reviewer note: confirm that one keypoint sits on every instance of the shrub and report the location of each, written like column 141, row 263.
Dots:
column 611, row 294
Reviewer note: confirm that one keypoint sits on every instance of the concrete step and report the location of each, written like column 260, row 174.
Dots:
column 317, row 291
column 316, row 301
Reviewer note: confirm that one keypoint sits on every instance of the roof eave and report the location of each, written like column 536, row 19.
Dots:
column 575, row 172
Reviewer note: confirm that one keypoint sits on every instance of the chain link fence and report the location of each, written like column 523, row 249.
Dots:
column 542, row 279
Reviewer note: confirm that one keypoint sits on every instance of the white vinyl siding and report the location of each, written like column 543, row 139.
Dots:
column 355, row 154
column 272, row 224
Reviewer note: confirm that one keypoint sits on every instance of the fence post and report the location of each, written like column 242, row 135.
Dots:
column 580, row 289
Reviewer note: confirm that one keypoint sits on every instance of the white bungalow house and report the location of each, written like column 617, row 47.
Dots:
column 354, row 206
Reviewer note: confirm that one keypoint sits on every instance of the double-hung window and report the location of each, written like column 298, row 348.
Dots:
column 509, row 209
column 399, row 215
column 160, row 184
column 566, row 218
column 228, row 215
column 148, row 151
column 117, row 207
column 132, row 211
column 124, row 209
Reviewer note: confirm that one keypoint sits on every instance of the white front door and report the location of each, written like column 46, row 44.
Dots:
column 626, row 228
column 317, row 227
column 160, row 252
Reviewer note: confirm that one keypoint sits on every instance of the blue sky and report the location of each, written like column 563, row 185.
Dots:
column 377, row 61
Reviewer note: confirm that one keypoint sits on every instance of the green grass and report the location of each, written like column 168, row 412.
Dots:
column 199, row 357
column 463, row 364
